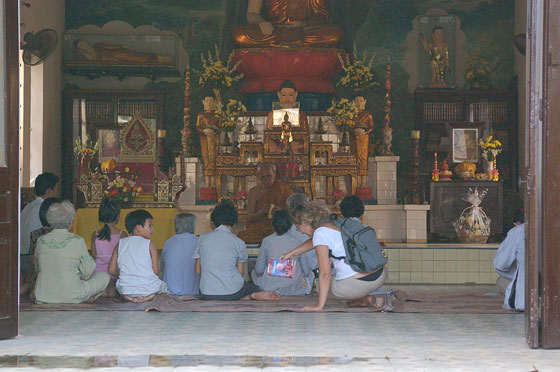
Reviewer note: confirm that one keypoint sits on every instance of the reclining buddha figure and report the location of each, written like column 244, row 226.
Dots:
column 287, row 23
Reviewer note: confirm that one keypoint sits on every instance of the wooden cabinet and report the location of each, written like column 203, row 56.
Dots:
column 497, row 109
column 447, row 204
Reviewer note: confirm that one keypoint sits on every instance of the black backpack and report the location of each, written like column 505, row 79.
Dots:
column 363, row 251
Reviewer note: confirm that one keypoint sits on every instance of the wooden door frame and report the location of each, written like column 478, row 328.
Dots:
column 542, row 292
column 10, row 175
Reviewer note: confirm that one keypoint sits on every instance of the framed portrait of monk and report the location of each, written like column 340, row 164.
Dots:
column 464, row 141
column 109, row 143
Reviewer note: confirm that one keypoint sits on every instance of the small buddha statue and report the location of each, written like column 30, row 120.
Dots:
column 280, row 23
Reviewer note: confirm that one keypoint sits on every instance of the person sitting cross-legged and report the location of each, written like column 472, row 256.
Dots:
column 219, row 259
column 134, row 260
column 273, row 246
column 64, row 266
column 177, row 263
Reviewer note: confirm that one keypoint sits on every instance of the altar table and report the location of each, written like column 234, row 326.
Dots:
column 86, row 223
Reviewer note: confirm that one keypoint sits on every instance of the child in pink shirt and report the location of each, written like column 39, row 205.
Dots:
column 104, row 241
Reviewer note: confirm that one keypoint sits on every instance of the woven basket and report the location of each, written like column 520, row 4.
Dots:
column 472, row 238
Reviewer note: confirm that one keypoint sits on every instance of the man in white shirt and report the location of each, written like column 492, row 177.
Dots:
column 509, row 263
column 46, row 186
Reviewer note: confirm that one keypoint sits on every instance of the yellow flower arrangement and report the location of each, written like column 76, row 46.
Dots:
column 358, row 74
column 215, row 73
column 85, row 148
column 490, row 147
column 477, row 72
column 344, row 113
column 228, row 115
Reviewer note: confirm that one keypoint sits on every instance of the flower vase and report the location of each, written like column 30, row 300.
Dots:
column 495, row 176
column 83, row 165
column 476, row 85
column 488, row 167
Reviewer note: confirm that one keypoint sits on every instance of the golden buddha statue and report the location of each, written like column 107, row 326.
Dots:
column 287, row 23
column 360, row 139
column 207, row 127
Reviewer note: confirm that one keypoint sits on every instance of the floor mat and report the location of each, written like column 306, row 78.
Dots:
column 402, row 302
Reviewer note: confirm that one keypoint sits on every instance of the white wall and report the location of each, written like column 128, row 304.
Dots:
column 46, row 14
column 520, row 27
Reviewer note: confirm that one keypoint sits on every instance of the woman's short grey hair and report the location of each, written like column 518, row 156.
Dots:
column 295, row 200
column 184, row 223
column 60, row 215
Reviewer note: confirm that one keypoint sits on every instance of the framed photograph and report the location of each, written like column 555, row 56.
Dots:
column 279, row 110
column 436, row 52
column 109, row 143
column 464, row 142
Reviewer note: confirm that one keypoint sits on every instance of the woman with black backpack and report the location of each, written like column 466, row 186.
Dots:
column 347, row 284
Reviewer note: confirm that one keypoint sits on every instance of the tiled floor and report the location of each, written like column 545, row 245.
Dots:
column 300, row 342
column 136, row 341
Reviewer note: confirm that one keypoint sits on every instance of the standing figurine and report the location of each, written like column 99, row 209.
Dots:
column 360, row 138
column 207, row 126
column 439, row 57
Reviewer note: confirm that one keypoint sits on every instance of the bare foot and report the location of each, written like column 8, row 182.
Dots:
column 139, row 299
column 90, row 300
column 380, row 303
column 265, row 296
column 360, row 302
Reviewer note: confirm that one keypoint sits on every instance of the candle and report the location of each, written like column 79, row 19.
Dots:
column 415, row 134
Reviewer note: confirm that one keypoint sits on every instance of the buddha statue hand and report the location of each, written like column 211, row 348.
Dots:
column 266, row 28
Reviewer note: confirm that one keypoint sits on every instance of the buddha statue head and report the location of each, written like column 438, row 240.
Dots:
column 209, row 102
column 287, row 92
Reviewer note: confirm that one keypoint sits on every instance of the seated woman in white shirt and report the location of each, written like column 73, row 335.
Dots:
column 347, row 284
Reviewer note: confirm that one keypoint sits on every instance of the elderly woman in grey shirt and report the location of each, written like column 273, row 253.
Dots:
column 274, row 246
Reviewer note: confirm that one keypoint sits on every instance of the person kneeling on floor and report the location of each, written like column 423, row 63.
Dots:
column 135, row 261
column 219, row 259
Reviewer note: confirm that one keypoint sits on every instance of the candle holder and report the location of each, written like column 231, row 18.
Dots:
column 494, row 174
column 435, row 170
column 414, row 195
column 161, row 147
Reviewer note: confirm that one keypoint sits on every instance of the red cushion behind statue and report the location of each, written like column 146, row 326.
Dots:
column 310, row 70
